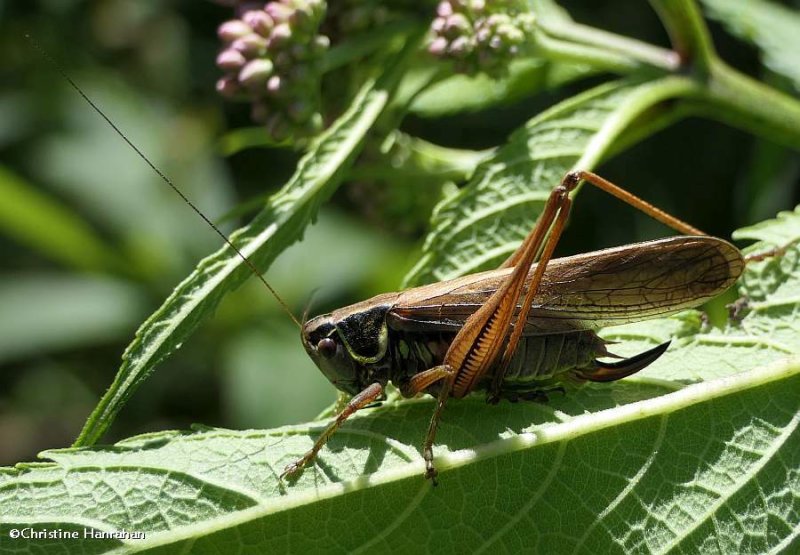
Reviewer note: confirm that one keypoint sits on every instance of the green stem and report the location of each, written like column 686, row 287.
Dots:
column 687, row 31
column 588, row 44
column 720, row 92
column 592, row 55
column 743, row 102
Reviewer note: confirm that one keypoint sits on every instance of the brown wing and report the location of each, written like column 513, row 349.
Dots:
column 588, row 291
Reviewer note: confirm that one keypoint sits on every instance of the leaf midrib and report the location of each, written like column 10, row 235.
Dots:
column 545, row 434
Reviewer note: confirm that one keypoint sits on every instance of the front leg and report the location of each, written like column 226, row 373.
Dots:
column 359, row 401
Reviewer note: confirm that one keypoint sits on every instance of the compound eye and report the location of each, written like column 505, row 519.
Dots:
column 326, row 347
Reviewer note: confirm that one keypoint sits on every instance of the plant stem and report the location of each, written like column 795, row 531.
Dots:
column 719, row 92
column 614, row 51
column 743, row 102
column 688, row 32
column 565, row 51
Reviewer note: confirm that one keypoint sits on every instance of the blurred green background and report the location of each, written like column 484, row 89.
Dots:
column 92, row 242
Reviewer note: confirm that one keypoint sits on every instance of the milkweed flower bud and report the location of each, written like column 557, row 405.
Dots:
column 251, row 45
column 232, row 30
column 480, row 36
column 280, row 36
column 278, row 11
column 230, row 60
column 255, row 72
column 275, row 85
column 259, row 21
column 456, row 26
column 272, row 57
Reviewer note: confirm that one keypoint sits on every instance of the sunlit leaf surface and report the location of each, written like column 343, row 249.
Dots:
column 637, row 466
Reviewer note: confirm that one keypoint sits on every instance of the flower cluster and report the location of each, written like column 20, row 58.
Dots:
column 272, row 56
column 480, row 35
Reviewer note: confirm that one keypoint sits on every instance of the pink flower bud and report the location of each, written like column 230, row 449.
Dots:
column 230, row 60
column 259, row 21
column 255, row 72
column 280, row 35
column 232, row 30
column 456, row 24
column 278, row 12
column 251, row 45
column 275, row 85
column 460, row 47
column 438, row 46
column 477, row 5
column 483, row 35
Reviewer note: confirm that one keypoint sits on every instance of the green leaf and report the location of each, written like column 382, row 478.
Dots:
column 277, row 226
column 641, row 465
column 772, row 27
column 482, row 224
column 526, row 77
column 776, row 233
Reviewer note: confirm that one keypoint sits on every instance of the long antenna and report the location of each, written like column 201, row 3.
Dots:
column 161, row 175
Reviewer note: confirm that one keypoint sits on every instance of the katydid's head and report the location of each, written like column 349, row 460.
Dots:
column 326, row 348
column 350, row 344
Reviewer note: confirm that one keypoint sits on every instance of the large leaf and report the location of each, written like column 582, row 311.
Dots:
column 526, row 77
column 636, row 466
column 277, row 226
column 772, row 27
column 482, row 224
